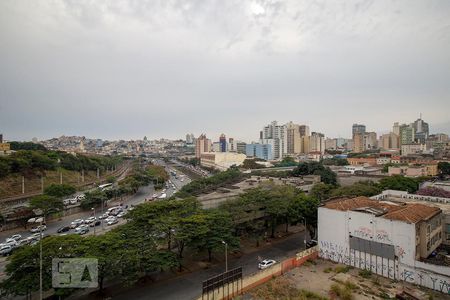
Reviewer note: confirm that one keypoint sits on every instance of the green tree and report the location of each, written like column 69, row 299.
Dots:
column 398, row 182
column 361, row 188
column 322, row 191
column 47, row 204
column 93, row 199
column 444, row 168
column 60, row 190
column 305, row 207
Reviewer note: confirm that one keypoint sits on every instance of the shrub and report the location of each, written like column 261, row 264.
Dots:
column 365, row 273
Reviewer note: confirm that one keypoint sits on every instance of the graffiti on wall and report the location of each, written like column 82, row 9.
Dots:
column 363, row 232
column 384, row 267
column 383, row 237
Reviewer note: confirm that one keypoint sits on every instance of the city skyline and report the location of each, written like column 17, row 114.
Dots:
column 123, row 70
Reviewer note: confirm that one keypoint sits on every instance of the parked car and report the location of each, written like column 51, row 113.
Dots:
column 76, row 223
column 66, row 202
column 111, row 221
column 38, row 228
column 96, row 223
column 73, row 201
column 266, row 263
column 36, row 236
column 5, row 249
column 104, row 216
column 11, row 243
column 311, row 243
column 63, row 229
column 16, row 237
column 80, row 197
column 23, row 242
column 121, row 214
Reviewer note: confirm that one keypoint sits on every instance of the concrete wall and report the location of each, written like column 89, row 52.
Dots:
column 260, row 277
column 333, row 243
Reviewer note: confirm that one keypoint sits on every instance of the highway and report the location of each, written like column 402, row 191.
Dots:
column 142, row 194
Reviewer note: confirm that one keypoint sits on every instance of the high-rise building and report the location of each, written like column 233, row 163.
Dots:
column 223, row 143
column 389, row 141
column 406, row 134
column 231, row 145
column 396, row 129
column 262, row 151
column 293, row 138
column 370, row 141
column 330, row 144
column 358, row 142
column 304, row 130
column 216, row 147
column 317, row 142
column 278, row 134
column 421, row 131
column 202, row 145
column 240, row 147
column 358, row 128
column 190, row 139
column 1, row 138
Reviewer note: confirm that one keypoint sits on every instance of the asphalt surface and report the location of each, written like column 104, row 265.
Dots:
column 188, row 286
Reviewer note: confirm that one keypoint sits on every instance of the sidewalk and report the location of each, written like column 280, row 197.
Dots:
column 198, row 270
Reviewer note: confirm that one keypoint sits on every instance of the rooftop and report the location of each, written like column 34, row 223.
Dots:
column 399, row 211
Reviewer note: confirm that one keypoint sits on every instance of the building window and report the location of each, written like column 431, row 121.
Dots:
column 448, row 237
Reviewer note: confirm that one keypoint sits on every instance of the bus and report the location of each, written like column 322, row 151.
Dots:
column 104, row 187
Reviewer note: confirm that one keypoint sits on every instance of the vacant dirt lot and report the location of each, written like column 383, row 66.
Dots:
column 320, row 279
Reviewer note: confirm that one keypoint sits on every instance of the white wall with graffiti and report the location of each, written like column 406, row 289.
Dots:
column 339, row 230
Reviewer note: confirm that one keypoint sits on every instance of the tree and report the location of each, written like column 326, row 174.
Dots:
column 433, row 191
column 321, row 191
column 361, row 188
column 303, row 206
column 60, row 190
column 23, row 268
column 251, row 164
column 315, row 168
column 47, row 204
column 444, row 168
column 4, row 167
column 398, row 182
column 93, row 199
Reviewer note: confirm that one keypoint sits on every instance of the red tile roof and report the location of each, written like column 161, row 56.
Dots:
column 405, row 212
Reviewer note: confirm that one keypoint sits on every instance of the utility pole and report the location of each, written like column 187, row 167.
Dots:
column 226, row 255
column 82, row 175
column 60, row 177
column 42, row 184
column 98, row 173
column 23, row 184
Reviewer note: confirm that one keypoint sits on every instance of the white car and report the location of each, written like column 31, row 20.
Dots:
column 121, row 214
column 11, row 243
column 266, row 263
column 38, row 228
column 5, row 249
column 82, row 229
column 104, row 216
column 16, row 237
column 36, row 236
column 111, row 221
column 66, row 202
column 76, row 223
column 90, row 220
column 73, row 201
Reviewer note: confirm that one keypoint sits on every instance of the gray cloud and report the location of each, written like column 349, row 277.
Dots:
column 125, row 69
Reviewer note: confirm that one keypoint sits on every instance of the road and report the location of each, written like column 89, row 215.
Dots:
column 188, row 286
column 52, row 226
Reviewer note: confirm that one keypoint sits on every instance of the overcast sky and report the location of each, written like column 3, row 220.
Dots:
column 125, row 69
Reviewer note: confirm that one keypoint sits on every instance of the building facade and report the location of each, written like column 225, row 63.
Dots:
column 261, row 151
column 221, row 160
column 202, row 145
column 277, row 134
column 388, row 238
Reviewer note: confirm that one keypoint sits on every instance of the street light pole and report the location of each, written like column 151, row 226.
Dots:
column 226, row 255
column 95, row 219
column 40, row 261
column 304, row 232
column 39, row 221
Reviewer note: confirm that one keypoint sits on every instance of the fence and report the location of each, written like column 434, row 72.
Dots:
column 251, row 281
